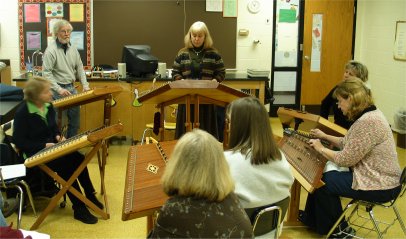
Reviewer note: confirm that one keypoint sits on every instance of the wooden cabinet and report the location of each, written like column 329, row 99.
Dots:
column 92, row 113
column 134, row 118
column 5, row 74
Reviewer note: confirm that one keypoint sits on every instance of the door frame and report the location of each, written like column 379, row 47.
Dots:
column 298, row 69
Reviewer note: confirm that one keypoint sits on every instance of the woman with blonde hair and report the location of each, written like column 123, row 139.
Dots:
column 202, row 203
column 368, row 149
column 198, row 60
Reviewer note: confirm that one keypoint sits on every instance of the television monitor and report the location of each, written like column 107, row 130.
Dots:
column 139, row 61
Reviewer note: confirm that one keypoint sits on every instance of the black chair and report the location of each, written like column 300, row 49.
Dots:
column 268, row 218
column 6, row 154
column 362, row 219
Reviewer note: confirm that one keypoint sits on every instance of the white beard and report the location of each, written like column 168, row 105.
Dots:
column 64, row 41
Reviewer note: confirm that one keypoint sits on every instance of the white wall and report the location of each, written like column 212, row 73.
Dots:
column 374, row 43
column 375, row 35
column 9, row 34
column 250, row 54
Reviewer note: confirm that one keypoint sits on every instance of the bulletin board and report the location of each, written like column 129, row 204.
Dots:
column 36, row 18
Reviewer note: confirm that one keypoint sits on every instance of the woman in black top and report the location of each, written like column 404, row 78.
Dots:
column 35, row 128
column 352, row 68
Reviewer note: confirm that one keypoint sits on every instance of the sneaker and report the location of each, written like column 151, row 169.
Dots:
column 347, row 233
column 94, row 200
column 83, row 215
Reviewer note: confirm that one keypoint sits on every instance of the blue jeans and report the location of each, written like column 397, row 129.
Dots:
column 73, row 113
column 323, row 207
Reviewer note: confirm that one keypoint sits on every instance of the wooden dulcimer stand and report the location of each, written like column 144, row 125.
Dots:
column 190, row 92
column 100, row 93
column 93, row 138
column 307, row 164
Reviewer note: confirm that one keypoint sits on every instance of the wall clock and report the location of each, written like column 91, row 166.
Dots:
column 254, row 6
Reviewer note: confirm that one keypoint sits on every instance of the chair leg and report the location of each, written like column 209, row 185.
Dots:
column 20, row 207
column 27, row 189
column 402, row 224
column 371, row 215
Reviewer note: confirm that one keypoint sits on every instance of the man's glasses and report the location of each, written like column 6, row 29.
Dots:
column 65, row 31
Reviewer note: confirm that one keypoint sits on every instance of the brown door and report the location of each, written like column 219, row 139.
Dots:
column 336, row 34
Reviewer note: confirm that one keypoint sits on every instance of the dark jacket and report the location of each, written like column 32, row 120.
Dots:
column 31, row 133
column 339, row 118
column 186, row 217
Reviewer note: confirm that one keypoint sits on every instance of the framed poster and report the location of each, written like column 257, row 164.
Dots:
column 399, row 50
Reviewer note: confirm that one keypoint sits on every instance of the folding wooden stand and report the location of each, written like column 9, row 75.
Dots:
column 190, row 92
column 96, row 94
column 66, row 185
column 94, row 138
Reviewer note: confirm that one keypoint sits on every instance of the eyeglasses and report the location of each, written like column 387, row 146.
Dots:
column 65, row 31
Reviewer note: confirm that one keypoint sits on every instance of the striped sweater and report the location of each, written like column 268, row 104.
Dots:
column 212, row 66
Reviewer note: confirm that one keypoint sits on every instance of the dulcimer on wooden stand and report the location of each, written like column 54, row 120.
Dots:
column 94, row 138
column 307, row 164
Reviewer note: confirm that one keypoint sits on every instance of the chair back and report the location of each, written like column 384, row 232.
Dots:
column 402, row 182
column 8, row 155
column 267, row 218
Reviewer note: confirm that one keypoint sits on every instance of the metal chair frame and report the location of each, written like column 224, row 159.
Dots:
column 268, row 218
column 271, row 209
column 15, row 183
column 358, row 219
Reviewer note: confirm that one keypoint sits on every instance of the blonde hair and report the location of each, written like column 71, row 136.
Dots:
column 359, row 69
column 251, row 132
column 197, row 168
column 359, row 93
column 33, row 88
column 198, row 27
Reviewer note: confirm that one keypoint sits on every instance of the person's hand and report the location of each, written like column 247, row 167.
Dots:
column 316, row 144
column 214, row 80
column 87, row 88
column 47, row 145
column 59, row 138
column 316, row 133
column 63, row 92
